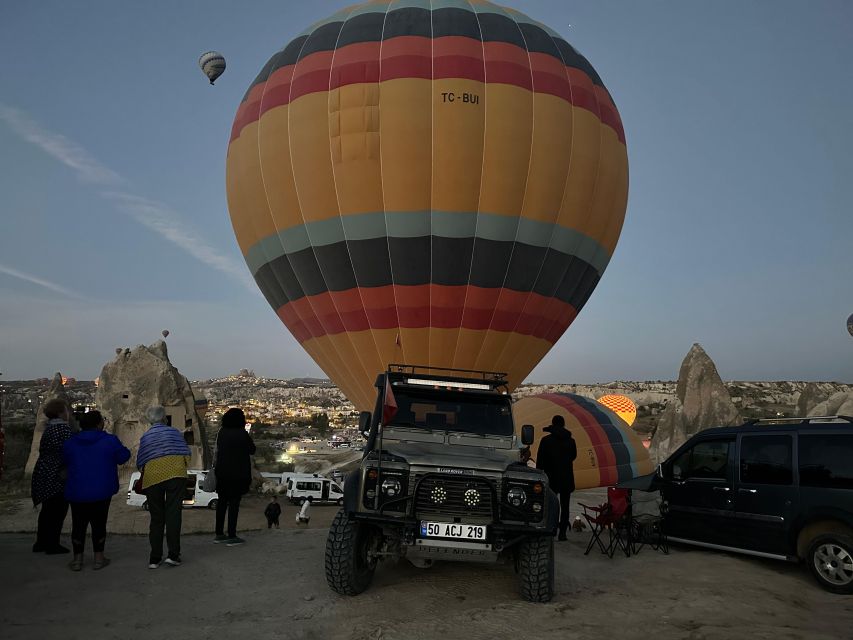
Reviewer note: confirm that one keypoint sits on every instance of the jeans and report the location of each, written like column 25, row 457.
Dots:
column 51, row 518
column 165, row 501
column 82, row 515
column 227, row 503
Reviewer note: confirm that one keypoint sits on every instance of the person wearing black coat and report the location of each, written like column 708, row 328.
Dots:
column 233, row 469
column 557, row 452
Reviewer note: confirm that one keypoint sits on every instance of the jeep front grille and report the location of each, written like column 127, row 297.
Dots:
column 454, row 496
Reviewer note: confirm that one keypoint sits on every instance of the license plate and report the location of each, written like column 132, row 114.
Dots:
column 453, row 530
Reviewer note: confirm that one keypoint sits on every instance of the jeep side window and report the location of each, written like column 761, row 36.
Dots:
column 766, row 460
column 706, row 461
column 826, row 460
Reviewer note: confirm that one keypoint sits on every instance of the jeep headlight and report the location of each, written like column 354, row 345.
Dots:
column 391, row 487
column 516, row 496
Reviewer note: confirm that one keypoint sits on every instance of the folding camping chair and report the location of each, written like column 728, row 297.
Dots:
column 613, row 517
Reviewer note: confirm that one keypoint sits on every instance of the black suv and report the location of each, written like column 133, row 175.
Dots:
column 772, row 488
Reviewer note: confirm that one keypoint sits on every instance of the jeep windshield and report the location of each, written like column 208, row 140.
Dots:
column 463, row 411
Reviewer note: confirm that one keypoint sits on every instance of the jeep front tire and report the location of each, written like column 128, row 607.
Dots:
column 536, row 568
column 349, row 566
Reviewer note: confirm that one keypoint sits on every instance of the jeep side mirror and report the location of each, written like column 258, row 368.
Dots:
column 364, row 422
column 660, row 471
column 527, row 435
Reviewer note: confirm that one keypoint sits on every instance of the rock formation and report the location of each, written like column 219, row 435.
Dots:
column 839, row 404
column 56, row 390
column 701, row 401
column 813, row 394
column 136, row 379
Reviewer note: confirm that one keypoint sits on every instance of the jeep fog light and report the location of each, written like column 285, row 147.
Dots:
column 391, row 487
column 438, row 494
column 537, row 507
column 472, row 498
column 516, row 496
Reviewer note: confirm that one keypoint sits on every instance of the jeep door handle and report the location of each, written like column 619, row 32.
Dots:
column 747, row 490
column 722, row 489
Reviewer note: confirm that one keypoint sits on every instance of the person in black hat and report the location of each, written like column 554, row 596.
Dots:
column 557, row 452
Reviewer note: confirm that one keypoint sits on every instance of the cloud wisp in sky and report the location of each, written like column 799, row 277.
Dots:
column 52, row 286
column 162, row 220
column 154, row 215
column 72, row 155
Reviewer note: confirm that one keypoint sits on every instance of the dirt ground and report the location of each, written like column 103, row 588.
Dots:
column 274, row 587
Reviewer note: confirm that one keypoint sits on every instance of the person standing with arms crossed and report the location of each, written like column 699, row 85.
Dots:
column 162, row 458
column 557, row 452
column 234, row 451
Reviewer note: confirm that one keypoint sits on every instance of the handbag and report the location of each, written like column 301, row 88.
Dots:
column 137, row 484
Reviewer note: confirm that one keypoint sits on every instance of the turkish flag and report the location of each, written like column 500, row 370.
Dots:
column 389, row 407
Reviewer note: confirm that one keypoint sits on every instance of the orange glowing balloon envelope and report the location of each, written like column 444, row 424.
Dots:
column 622, row 406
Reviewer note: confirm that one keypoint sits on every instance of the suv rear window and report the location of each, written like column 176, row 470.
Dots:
column 766, row 460
column 706, row 460
column 826, row 460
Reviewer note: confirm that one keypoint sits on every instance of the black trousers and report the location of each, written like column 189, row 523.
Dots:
column 165, row 501
column 82, row 515
column 565, row 497
column 271, row 522
column 51, row 518
column 230, row 503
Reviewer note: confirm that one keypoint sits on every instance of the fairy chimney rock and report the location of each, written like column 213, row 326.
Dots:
column 838, row 404
column 56, row 390
column 701, row 401
column 137, row 379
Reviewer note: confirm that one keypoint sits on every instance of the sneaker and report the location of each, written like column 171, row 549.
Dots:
column 562, row 537
column 154, row 564
column 235, row 541
column 173, row 562
column 220, row 539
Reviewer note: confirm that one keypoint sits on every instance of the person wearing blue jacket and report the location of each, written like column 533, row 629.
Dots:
column 91, row 458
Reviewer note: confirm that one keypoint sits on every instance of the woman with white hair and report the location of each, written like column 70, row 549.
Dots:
column 163, row 457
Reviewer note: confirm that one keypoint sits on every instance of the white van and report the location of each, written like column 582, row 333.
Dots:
column 194, row 496
column 313, row 488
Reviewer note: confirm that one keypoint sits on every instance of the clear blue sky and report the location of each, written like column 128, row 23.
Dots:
column 739, row 232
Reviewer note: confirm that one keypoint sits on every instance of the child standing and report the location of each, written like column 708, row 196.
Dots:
column 272, row 512
column 304, row 515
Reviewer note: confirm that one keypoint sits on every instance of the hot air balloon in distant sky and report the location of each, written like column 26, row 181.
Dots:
column 621, row 405
column 436, row 183
column 850, row 324
column 212, row 65
column 608, row 451
column 165, row 333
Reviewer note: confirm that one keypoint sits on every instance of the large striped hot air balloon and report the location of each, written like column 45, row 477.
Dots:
column 609, row 451
column 435, row 182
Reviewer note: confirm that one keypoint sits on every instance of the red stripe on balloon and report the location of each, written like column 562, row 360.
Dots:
column 396, row 306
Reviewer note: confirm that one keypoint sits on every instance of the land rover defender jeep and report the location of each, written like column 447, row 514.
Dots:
column 441, row 480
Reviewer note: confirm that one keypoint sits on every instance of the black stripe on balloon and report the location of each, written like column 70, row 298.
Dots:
column 407, row 22
column 455, row 22
column 366, row 27
column 498, row 28
column 322, row 39
column 412, row 21
column 329, row 268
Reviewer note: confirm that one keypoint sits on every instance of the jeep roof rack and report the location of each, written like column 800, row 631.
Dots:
column 493, row 379
column 809, row 419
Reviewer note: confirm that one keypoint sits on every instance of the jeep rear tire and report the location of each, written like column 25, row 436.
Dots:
column 830, row 559
column 349, row 568
column 536, row 568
